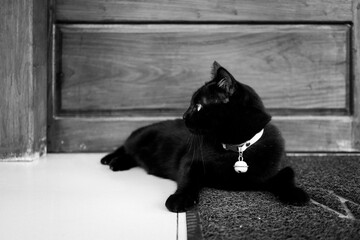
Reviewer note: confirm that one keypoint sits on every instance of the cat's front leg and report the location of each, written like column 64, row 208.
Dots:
column 187, row 193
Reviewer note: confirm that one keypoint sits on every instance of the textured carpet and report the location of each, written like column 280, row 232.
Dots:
column 333, row 184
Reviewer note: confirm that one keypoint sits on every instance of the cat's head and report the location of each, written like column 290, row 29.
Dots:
column 226, row 109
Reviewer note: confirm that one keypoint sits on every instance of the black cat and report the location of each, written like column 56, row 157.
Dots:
column 225, row 140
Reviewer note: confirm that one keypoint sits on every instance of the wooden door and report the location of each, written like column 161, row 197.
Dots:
column 119, row 65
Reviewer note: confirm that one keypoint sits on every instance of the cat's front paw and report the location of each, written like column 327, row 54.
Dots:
column 180, row 202
column 118, row 160
column 107, row 159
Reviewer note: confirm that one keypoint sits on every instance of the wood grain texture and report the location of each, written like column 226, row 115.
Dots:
column 41, row 37
column 355, row 84
column 302, row 134
column 23, row 30
column 204, row 10
column 154, row 69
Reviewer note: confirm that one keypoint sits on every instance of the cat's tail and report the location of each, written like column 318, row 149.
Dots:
column 282, row 185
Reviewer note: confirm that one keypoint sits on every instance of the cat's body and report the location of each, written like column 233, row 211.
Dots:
column 190, row 151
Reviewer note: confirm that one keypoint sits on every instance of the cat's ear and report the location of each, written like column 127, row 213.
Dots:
column 225, row 81
column 214, row 69
column 223, row 78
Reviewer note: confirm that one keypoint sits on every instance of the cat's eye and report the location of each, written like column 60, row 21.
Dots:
column 198, row 107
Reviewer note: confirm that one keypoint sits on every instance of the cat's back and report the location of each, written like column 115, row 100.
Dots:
column 176, row 126
column 157, row 134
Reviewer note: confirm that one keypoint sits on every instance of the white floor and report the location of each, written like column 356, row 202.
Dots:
column 73, row 196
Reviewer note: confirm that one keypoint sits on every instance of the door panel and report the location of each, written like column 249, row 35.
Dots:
column 96, row 134
column 152, row 69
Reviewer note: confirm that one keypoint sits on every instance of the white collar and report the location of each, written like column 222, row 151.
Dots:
column 243, row 146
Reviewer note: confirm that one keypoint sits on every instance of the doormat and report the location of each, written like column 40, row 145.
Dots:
column 333, row 183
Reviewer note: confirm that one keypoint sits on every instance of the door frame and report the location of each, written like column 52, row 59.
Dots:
column 23, row 78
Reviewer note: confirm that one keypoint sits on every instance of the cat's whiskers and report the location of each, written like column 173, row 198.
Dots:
column 195, row 144
column 192, row 147
column 201, row 153
column 189, row 142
